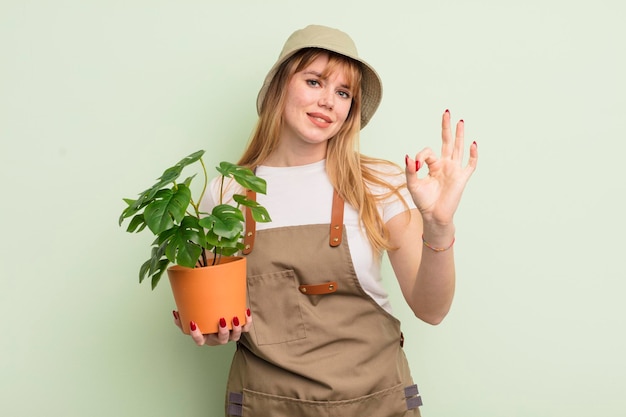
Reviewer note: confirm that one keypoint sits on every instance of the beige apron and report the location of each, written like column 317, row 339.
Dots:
column 319, row 345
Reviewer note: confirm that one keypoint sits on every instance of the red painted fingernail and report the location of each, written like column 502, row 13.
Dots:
column 175, row 314
column 222, row 322
column 461, row 121
column 447, row 111
column 248, row 312
column 417, row 165
column 406, row 160
column 192, row 326
column 475, row 144
column 235, row 321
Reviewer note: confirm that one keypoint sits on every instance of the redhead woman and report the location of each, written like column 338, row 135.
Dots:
column 320, row 338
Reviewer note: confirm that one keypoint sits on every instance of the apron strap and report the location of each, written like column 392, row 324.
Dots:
column 336, row 220
column 336, row 223
column 248, row 237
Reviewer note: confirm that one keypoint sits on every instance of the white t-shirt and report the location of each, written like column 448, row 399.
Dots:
column 303, row 195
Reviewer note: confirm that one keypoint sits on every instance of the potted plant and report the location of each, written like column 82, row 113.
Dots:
column 202, row 246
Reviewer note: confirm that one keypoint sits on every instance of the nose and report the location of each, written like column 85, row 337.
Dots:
column 327, row 99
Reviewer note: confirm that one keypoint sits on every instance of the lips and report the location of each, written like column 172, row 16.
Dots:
column 320, row 119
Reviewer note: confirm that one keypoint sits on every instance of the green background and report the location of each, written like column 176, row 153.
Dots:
column 98, row 97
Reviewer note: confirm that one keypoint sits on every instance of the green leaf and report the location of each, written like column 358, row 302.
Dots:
column 169, row 176
column 187, row 181
column 224, row 229
column 190, row 159
column 155, row 266
column 225, row 221
column 136, row 222
column 223, row 245
column 230, row 251
column 135, row 205
column 161, row 268
column 167, row 208
column 143, row 271
column 259, row 213
column 158, row 253
column 164, row 236
column 244, row 176
column 184, row 246
column 128, row 211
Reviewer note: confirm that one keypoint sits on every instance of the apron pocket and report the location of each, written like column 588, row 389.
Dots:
column 276, row 308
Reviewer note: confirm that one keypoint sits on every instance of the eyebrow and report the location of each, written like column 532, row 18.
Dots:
column 319, row 75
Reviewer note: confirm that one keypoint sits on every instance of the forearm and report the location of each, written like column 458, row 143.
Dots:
column 426, row 276
column 433, row 289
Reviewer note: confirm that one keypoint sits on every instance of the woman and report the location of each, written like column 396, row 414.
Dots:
column 323, row 340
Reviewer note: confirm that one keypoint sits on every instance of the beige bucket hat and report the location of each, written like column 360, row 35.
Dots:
column 323, row 37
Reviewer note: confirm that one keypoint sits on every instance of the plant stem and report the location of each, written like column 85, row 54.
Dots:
column 204, row 260
column 206, row 182
column 196, row 205
column 222, row 190
column 216, row 256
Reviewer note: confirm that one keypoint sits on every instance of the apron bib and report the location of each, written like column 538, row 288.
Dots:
column 319, row 345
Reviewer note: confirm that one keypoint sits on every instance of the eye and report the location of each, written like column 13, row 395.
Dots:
column 313, row 83
column 344, row 94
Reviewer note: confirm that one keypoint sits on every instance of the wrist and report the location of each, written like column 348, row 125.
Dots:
column 436, row 248
column 438, row 235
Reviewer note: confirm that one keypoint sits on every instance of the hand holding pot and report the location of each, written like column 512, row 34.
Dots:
column 223, row 336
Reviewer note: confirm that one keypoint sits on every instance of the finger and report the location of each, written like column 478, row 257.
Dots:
column 411, row 171
column 425, row 156
column 219, row 338
column 177, row 320
column 196, row 334
column 473, row 158
column 235, row 334
column 223, row 333
column 411, row 167
column 447, row 143
column 414, row 165
column 246, row 327
column 459, row 140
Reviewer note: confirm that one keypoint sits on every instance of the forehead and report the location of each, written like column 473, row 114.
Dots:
column 328, row 65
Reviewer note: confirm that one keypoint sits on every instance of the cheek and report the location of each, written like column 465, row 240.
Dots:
column 294, row 104
column 345, row 111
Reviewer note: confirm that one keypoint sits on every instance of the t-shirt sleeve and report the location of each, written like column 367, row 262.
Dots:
column 396, row 205
column 391, row 205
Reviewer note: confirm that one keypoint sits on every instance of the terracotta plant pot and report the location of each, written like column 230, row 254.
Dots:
column 207, row 294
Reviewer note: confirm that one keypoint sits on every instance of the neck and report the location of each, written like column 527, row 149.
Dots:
column 302, row 155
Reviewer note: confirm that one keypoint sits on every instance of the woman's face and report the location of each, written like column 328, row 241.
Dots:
column 315, row 107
